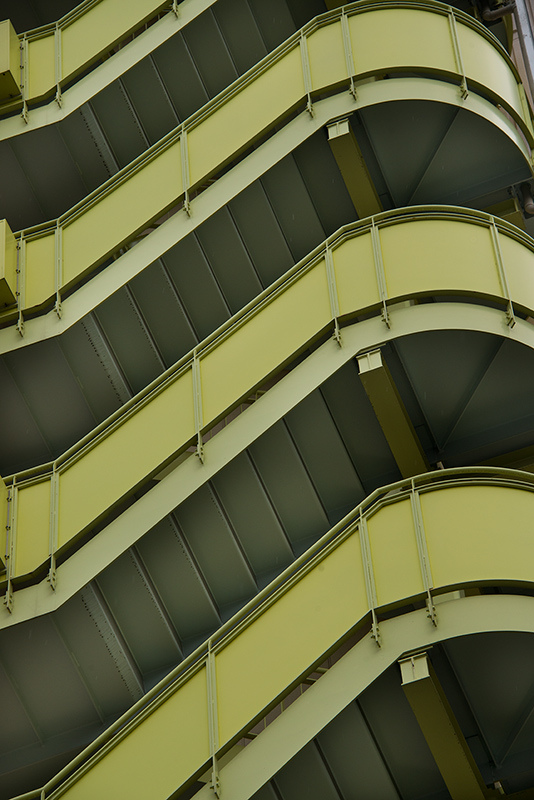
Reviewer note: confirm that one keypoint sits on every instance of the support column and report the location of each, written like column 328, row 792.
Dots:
column 353, row 168
column 392, row 415
column 441, row 730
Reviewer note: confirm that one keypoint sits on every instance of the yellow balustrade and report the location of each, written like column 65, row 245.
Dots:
column 55, row 54
column 335, row 49
column 409, row 541
column 365, row 267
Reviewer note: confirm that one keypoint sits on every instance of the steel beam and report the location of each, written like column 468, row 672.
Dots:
column 353, row 168
column 392, row 415
column 441, row 729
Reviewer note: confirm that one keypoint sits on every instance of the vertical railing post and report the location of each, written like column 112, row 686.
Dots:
column 306, row 73
column 379, row 271
column 370, row 586
column 10, row 539
column 213, row 720
column 21, row 282
column 332, row 292
column 499, row 263
column 422, row 550
column 53, row 526
column 197, row 404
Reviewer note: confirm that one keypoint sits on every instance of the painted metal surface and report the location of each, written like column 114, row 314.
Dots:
column 371, row 560
column 54, row 257
column 55, row 54
column 229, row 185
column 439, row 251
column 185, row 478
column 291, row 731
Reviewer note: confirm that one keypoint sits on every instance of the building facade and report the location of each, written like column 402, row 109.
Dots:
column 266, row 380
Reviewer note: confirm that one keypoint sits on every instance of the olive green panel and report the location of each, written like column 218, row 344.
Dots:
column 32, row 548
column 288, row 322
column 57, row 54
column 260, row 654
column 3, row 516
column 136, row 448
column 98, row 28
column 288, row 637
column 245, row 114
column 122, row 211
column 8, row 265
column 41, row 66
column 429, row 259
column 460, row 529
column 389, row 531
column 483, row 63
column 156, row 756
column 9, row 61
column 312, row 63
column 396, row 36
column 327, row 59
column 38, row 284
column 355, row 274
column 112, row 461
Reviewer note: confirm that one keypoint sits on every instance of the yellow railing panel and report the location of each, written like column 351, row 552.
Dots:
column 483, row 63
column 410, row 253
column 427, row 259
column 8, row 264
column 242, row 360
column 97, row 30
column 519, row 271
column 41, row 65
column 287, row 638
column 390, row 531
column 390, row 38
column 137, row 447
column 326, row 56
column 40, row 255
column 118, row 215
column 356, row 274
column 33, row 514
column 480, row 535
column 239, row 120
column 156, row 756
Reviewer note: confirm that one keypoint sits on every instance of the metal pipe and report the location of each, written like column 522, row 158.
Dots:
column 528, row 200
column 490, row 14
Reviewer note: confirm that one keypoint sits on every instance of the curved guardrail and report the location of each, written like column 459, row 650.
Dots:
column 44, row 59
column 408, row 541
column 366, row 266
column 332, row 52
